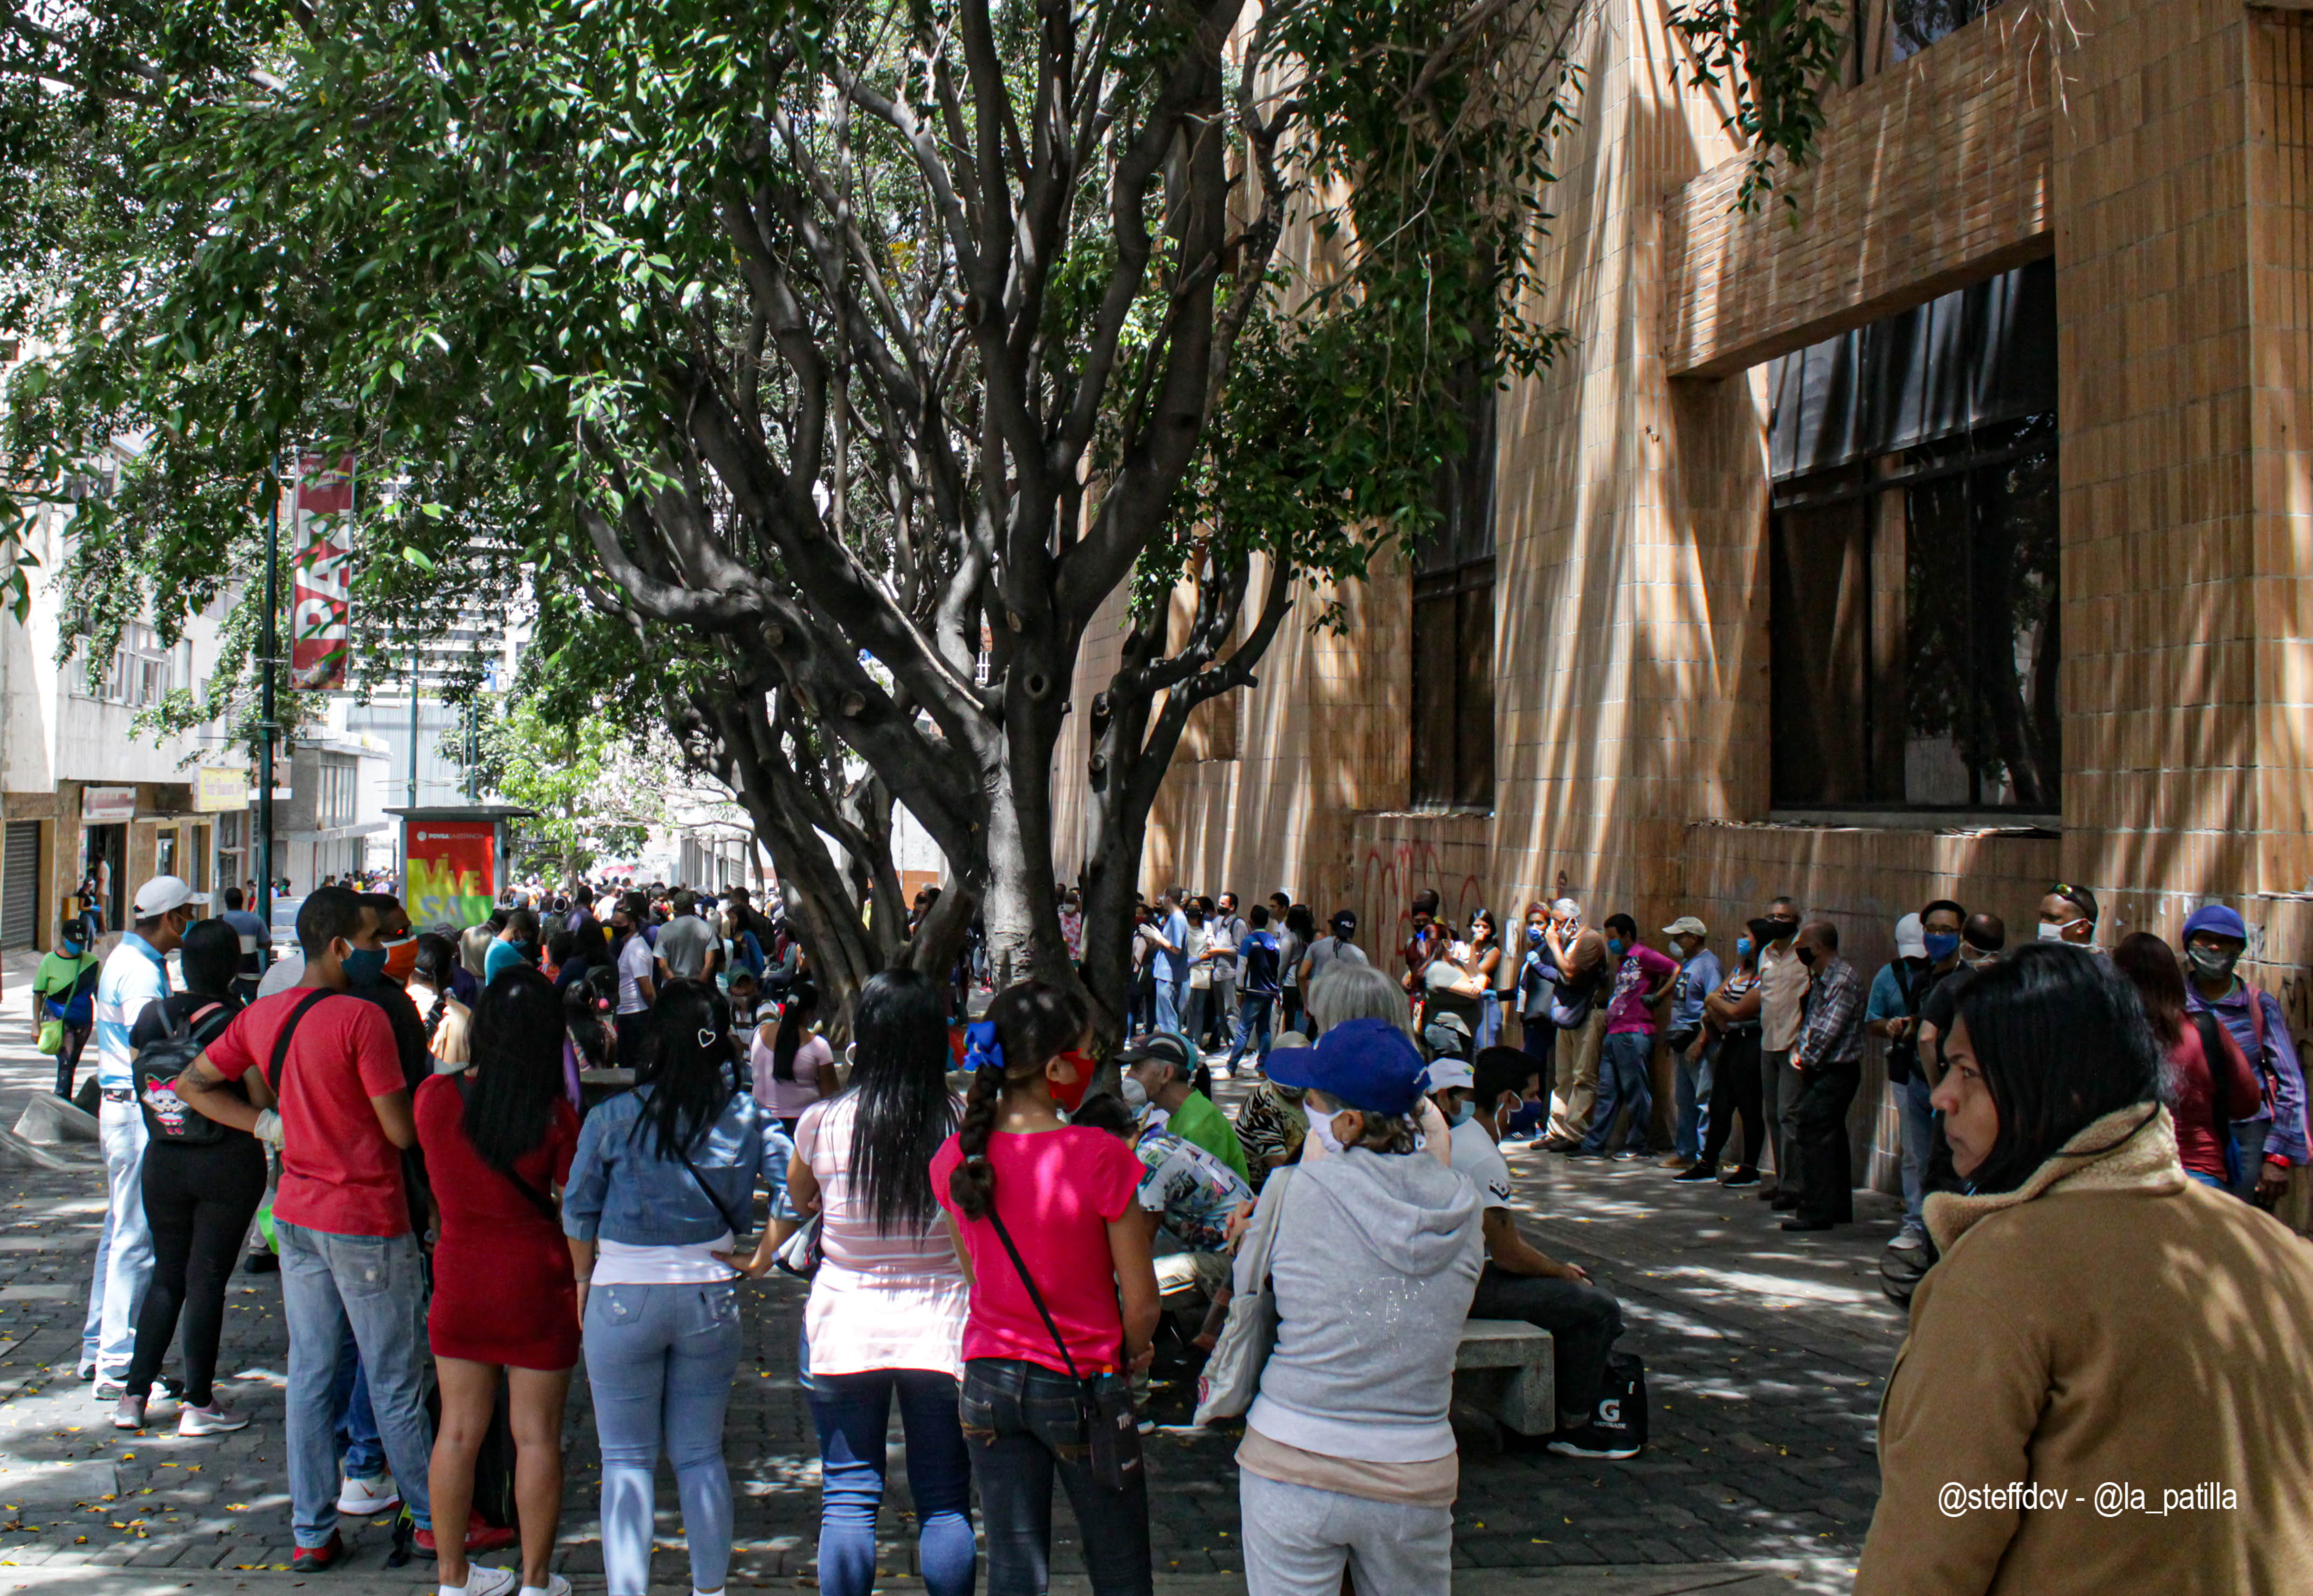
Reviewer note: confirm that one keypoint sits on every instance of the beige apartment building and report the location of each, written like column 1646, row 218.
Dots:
column 1949, row 537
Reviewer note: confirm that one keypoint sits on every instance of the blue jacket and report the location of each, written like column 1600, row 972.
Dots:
column 621, row 1190
column 2276, row 1062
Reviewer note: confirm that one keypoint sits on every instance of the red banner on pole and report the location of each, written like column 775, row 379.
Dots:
column 322, row 524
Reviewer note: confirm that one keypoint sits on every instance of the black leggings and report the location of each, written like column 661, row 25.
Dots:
column 68, row 1059
column 197, row 1201
column 1735, row 1090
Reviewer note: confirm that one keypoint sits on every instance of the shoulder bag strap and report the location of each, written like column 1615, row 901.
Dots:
column 540, row 1200
column 281, row 1040
column 722, row 1208
column 1034, row 1295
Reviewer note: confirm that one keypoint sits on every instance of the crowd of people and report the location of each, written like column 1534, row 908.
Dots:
column 568, row 1132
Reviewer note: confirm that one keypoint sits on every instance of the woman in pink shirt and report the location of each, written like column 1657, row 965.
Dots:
column 1031, row 1198
column 792, row 1068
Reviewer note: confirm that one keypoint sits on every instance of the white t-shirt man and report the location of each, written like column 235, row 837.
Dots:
column 1476, row 1156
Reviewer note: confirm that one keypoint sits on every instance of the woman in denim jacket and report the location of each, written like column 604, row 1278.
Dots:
column 662, row 1184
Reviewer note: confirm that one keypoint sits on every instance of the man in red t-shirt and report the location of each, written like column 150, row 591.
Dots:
column 348, row 1256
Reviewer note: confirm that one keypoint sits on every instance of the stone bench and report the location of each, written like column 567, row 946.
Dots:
column 1507, row 1368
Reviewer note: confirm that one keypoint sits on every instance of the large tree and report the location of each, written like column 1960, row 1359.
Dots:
column 852, row 354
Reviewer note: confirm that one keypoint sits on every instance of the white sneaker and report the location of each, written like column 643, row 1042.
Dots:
column 362, row 1496
column 492, row 1582
column 212, row 1420
column 555, row 1585
column 129, row 1414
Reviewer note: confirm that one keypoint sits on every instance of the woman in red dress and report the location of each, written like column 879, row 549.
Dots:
column 498, row 1138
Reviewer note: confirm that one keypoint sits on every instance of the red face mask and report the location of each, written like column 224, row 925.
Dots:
column 1070, row 1095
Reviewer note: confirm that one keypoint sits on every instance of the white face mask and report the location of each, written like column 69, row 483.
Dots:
column 2051, row 931
column 1135, row 1095
column 1321, row 1123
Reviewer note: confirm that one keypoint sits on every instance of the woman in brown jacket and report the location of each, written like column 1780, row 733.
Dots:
column 2107, row 1384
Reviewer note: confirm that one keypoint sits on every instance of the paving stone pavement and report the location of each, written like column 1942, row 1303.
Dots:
column 1765, row 1354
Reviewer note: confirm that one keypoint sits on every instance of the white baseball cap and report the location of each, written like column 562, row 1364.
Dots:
column 1446, row 1073
column 165, row 893
column 1911, row 941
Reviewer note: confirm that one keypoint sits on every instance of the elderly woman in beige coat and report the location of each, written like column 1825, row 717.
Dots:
column 2102, row 1338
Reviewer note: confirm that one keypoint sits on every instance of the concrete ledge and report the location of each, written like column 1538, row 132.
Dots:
column 48, row 1119
column 17, row 1153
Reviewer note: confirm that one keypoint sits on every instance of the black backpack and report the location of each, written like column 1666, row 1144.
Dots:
column 168, row 1118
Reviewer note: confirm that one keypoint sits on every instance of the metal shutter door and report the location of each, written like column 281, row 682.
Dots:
column 20, row 884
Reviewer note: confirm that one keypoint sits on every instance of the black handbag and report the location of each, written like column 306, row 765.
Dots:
column 1103, row 1405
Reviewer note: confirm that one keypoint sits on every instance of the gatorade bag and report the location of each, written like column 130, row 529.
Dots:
column 1621, row 1416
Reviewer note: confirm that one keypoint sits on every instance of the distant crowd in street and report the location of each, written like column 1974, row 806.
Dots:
column 476, row 1160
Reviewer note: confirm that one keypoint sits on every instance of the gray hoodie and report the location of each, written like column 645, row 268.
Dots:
column 1377, row 1258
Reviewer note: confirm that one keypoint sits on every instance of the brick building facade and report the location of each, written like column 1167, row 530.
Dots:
column 1655, row 563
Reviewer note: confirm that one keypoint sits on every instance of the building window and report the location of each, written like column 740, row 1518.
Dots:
column 333, row 797
column 140, row 674
column 1913, row 559
column 1888, row 32
column 1453, row 652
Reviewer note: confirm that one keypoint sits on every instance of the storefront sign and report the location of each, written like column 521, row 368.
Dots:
column 219, row 788
column 107, row 806
column 321, row 520
column 452, row 872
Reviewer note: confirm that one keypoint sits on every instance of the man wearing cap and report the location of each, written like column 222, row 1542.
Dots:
column 1520, row 1281
column 1157, row 1068
column 1340, row 947
column 1698, row 978
column 1927, row 949
column 2068, row 914
column 2272, row 1143
column 135, row 973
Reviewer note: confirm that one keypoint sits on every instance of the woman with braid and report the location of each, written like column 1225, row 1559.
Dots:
column 1031, row 1198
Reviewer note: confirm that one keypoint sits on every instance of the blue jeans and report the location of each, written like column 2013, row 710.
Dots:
column 1172, row 1001
column 376, row 1287
column 1919, row 1130
column 1252, row 1012
column 851, row 1412
column 1622, row 1084
column 659, row 1359
column 124, row 1250
column 357, row 1439
column 1022, row 1427
column 1694, row 1098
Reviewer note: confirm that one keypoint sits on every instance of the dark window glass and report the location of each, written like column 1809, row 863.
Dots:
column 1919, row 23
column 1453, row 654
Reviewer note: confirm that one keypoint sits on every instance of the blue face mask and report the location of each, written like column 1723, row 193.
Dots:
column 1534, row 934
column 365, row 967
column 1463, row 1115
column 1742, row 947
column 1615, row 946
column 1941, row 944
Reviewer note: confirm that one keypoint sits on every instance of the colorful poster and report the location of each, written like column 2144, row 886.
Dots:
column 321, row 537
column 452, row 872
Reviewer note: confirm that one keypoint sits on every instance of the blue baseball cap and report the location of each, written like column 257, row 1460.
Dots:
column 2218, row 920
column 1359, row 1063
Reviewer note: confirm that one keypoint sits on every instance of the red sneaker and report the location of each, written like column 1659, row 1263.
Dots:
column 316, row 1559
column 479, row 1537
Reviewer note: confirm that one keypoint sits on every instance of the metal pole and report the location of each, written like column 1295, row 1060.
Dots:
column 267, row 647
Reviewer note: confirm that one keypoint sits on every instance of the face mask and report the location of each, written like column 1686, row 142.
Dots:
column 1135, row 1095
column 1807, row 956
column 364, row 967
column 1614, row 947
column 1784, row 928
column 1942, row 945
column 1321, row 1125
column 1463, row 1115
column 1071, row 1095
column 2051, row 931
column 401, row 959
column 1742, row 947
column 1534, row 934
column 2212, row 962
column 1973, row 956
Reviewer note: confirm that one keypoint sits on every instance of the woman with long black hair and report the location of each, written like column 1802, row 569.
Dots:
column 1044, row 1221
column 663, row 1185
column 887, row 1305
column 499, row 1137
column 791, row 1066
column 2096, row 1322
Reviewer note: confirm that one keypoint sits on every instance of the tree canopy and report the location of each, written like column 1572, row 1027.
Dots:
column 829, row 366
